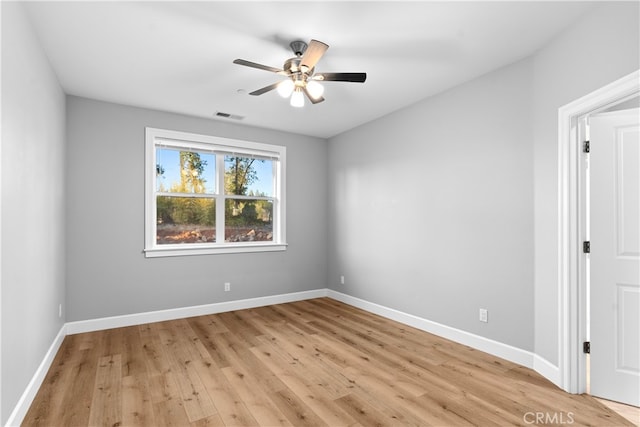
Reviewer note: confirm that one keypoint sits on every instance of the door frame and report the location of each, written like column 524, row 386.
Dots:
column 572, row 209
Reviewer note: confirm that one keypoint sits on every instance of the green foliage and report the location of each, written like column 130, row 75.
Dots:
column 248, row 212
column 191, row 169
column 239, row 175
column 186, row 211
column 165, row 210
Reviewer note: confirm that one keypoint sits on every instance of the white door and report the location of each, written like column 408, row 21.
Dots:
column 615, row 256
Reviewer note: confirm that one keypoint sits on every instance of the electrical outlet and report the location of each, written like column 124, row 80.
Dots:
column 60, row 310
column 484, row 315
column 342, row 280
column 227, row 286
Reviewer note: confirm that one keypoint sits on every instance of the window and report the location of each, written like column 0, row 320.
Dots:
column 211, row 195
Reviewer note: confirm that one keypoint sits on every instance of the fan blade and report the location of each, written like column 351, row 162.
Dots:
column 313, row 101
column 312, row 55
column 258, row 66
column 341, row 77
column 264, row 89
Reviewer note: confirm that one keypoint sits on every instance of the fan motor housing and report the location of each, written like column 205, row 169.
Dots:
column 298, row 47
column 292, row 66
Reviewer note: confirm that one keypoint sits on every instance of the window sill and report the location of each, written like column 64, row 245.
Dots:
column 180, row 250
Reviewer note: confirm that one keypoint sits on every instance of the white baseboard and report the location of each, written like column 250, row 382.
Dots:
column 547, row 369
column 183, row 312
column 21, row 408
column 70, row 328
column 504, row 351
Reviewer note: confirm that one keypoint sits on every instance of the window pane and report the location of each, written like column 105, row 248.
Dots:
column 185, row 171
column 248, row 220
column 185, row 220
column 246, row 176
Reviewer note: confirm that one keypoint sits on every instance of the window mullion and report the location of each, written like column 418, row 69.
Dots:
column 186, row 195
column 241, row 197
column 220, row 200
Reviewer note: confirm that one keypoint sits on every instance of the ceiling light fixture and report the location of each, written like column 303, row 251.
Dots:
column 297, row 86
column 315, row 89
column 297, row 98
column 299, row 83
column 285, row 88
column 301, row 76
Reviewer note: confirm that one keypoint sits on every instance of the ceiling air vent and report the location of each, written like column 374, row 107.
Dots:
column 228, row 115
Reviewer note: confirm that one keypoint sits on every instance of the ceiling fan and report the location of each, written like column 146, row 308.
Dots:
column 302, row 79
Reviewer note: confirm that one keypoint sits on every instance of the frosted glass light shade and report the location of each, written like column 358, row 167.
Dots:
column 315, row 89
column 297, row 98
column 285, row 88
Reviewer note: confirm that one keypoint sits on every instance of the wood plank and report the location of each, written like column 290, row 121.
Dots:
column 195, row 399
column 631, row 413
column 170, row 412
column 78, row 390
column 207, row 331
column 302, row 357
column 154, row 356
column 133, row 358
column 137, row 407
column 229, row 404
column 106, row 404
column 46, row 404
column 163, row 387
column 244, row 357
column 314, row 362
column 190, row 338
column 287, row 365
column 298, row 413
column 111, row 341
column 238, row 325
column 413, row 411
column 366, row 414
column 304, row 380
column 261, row 407
column 288, row 315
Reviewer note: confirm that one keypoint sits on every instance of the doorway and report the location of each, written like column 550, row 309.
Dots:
column 573, row 229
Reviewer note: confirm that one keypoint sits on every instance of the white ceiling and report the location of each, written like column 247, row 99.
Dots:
column 177, row 56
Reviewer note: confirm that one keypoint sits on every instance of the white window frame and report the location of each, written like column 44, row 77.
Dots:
column 157, row 137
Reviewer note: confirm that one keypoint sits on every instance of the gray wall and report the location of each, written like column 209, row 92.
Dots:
column 32, row 199
column 451, row 204
column 439, row 209
column 107, row 273
column 599, row 49
column 432, row 208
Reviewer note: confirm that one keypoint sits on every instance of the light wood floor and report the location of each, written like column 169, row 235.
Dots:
column 631, row 413
column 316, row 362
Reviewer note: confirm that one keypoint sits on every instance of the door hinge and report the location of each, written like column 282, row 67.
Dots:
column 586, row 247
column 586, row 347
column 586, row 147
